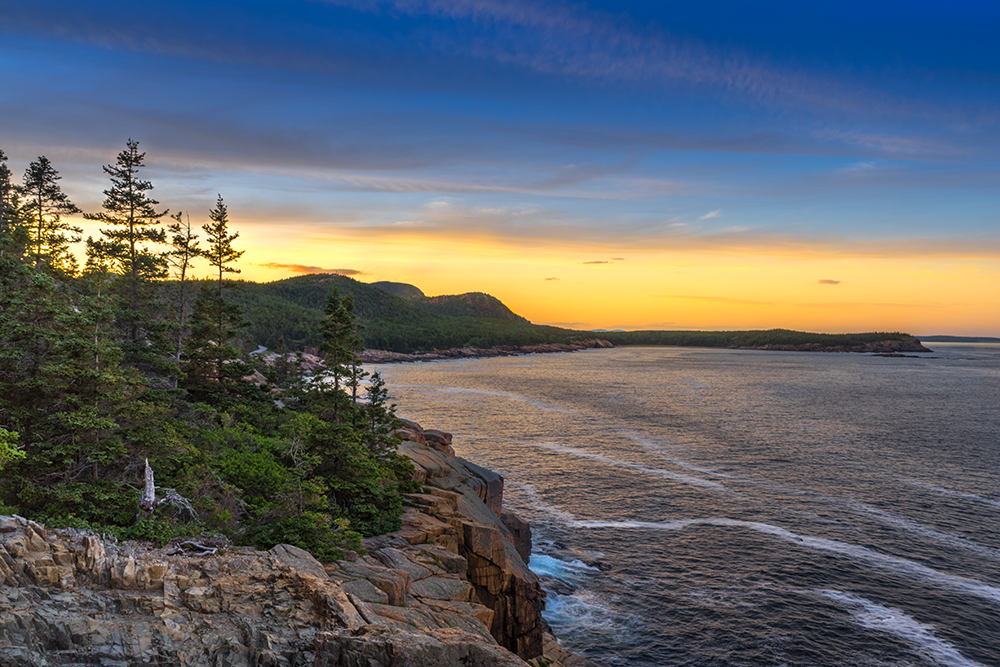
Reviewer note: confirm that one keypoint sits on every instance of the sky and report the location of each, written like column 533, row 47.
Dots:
column 619, row 165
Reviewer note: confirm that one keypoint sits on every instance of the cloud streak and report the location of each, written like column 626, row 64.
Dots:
column 303, row 268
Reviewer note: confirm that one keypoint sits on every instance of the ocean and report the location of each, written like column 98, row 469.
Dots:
column 710, row 507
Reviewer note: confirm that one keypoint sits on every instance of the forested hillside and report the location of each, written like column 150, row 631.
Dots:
column 129, row 405
column 291, row 310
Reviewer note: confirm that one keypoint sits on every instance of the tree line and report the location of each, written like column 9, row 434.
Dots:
column 127, row 359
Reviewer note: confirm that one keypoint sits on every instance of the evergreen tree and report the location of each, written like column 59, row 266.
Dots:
column 134, row 224
column 213, row 364
column 184, row 248
column 132, row 213
column 341, row 340
column 8, row 203
column 44, row 205
column 220, row 252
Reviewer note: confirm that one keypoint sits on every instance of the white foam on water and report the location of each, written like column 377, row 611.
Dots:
column 656, row 446
column 925, row 531
column 560, row 569
column 658, row 472
column 534, row 499
column 865, row 555
column 920, row 636
column 953, row 493
column 585, row 611
column 535, row 403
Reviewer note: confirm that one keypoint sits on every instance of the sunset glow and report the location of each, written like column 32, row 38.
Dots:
column 598, row 165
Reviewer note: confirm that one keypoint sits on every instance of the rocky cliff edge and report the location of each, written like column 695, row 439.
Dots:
column 450, row 588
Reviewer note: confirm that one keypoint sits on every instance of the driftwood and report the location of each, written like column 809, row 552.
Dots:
column 205, row 550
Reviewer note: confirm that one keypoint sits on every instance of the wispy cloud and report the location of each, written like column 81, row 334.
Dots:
column 711, row 214
column 302, row 268
column 826, row 281
column 551, row 279
column 598, row 261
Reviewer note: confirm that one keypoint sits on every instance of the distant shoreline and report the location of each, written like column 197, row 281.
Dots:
column 385, row 357
column 888, row 347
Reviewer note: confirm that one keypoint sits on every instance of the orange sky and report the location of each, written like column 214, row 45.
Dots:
column 681, row 283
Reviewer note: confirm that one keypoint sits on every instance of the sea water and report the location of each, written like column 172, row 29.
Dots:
column 731, row 507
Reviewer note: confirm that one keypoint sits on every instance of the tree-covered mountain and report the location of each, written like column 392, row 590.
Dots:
column 291, row 309
column 397, row 317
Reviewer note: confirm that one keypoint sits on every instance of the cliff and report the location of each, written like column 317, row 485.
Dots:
column 449, row 588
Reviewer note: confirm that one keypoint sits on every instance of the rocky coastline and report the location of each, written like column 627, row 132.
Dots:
column 450, row 587
column 384, row 357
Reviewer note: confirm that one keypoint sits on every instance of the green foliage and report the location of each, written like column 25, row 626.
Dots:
column 125, row 252
column 8, row 447
column 739, row 339
column 294, row 309
column 43, row 205
column 81, row 412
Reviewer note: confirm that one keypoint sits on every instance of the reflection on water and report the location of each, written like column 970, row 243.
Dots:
column 723, row 507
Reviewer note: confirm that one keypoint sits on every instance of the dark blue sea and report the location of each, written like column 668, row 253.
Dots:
column 704, row 507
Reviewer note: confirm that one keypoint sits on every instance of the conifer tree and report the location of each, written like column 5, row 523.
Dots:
column 44, row 205
column 8, row 200
column 213, row 363
column 134, row 220
column 341, row 340
column 184, row 249
column 220, row 252
column 133, row 225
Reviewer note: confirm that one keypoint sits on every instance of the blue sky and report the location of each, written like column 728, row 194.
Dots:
column 843, row 130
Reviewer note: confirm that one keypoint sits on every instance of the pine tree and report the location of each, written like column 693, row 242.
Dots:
column 134, row 219
column 8, row 200
column 44, row 205
column 220, row 253
column 212, row 363
column 134, row 225
column 184, row 249
column 341, row 340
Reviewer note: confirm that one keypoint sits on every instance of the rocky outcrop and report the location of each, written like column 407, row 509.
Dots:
column 449, row 588
column 467, row 501
column 384, row 357
column 68, row 597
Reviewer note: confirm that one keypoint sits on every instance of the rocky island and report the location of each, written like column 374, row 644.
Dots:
column 451, row 587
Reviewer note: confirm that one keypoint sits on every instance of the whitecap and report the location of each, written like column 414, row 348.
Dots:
column 659, row 472
column 442, row 389
column 534, row 499
column 953, row 493
column 862, row 554
column 925, row 531
column 919, row 636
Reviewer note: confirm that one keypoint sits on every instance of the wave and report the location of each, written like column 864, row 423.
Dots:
column 638, row 467
column 951, row 492
column 861, row 554
column 655, row 445
column 587, row 613
column 533, row 402
column 924, row 531
column 919, row 636
column 535, row 501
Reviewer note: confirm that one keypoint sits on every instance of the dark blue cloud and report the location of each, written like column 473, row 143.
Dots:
column 786, row 115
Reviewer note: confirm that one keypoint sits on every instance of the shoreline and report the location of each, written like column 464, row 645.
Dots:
column 385, row 357
column 451, row 586
column 894, row 348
